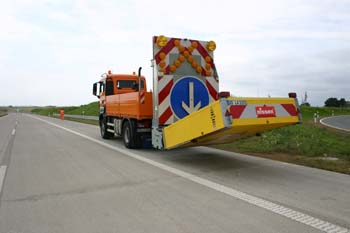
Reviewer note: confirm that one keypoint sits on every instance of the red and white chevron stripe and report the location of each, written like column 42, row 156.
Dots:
column 142, row 97
column 165, row 85
column 261, row 111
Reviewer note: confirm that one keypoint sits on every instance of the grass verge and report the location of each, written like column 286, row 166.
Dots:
column 90, row 109
column 85, row 121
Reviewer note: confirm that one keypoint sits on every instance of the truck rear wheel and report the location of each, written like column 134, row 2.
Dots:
column 103, row 129
column 130, row 137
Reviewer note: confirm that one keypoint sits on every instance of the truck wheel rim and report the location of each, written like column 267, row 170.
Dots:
column 126, row 135
column 102, row 128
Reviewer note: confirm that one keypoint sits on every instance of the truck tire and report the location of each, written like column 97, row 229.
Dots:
column 130, row 137
column 103, row 129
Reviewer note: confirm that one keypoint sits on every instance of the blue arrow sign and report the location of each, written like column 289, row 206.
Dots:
column 188, row 95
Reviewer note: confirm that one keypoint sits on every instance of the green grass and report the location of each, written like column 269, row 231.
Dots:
column 85, row 121
column 308, row 112
column 3, row 111
column 90, row 109
column 307, row 144
column 45, row 111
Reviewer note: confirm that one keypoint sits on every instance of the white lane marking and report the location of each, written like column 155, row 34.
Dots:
column 267, row 205
column 332, row 126
column 2, row 176
column 13, row 131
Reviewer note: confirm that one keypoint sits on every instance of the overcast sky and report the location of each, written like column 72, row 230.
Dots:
column 52, row 51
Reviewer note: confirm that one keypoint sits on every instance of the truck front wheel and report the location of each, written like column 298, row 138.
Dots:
column 103, row 129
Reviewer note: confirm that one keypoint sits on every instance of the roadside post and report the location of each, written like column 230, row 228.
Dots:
column 62, row 114
column 315, row 118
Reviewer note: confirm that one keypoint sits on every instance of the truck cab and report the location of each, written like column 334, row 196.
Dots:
column 125, row 107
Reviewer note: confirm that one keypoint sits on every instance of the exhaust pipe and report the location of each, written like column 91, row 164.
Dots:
column 139, row 74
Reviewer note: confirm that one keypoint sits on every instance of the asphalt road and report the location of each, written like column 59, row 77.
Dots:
column 338, row 122
column 59, row 176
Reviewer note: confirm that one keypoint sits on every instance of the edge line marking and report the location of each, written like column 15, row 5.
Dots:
column 332, row 126
column 2, row 176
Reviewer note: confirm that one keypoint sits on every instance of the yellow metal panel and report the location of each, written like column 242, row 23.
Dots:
column 205, row 121
column 207, row 126
column 242, row 128
column 234, row 133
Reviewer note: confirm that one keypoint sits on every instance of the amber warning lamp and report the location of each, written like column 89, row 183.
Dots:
column 162, row 41
column 292, row 95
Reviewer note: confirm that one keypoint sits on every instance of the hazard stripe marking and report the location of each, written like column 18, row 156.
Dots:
column 165, row 116
column 211, row 90
column 290, row 108
column 236, row 111
column 165, row 91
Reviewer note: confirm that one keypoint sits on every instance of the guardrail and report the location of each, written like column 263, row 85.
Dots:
column 78, row 116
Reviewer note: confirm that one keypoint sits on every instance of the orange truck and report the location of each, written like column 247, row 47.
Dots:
column 125, row 107
column 185, row 108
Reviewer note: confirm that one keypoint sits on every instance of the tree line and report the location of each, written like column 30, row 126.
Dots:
column 334, row 102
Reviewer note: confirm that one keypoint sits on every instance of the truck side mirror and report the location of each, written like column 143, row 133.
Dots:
column 94, row 89
column 109, row 88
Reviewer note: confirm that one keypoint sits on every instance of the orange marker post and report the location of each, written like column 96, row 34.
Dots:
column 62, row 114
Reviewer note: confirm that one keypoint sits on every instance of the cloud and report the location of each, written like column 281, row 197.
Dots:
column 263, row 47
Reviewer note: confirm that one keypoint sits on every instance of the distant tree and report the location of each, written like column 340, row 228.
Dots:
column 334, row 102
column 306, row 104
column 342, row 102
column 331, row 102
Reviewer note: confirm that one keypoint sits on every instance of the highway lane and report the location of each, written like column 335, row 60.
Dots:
column 7, row 134
column 338, row 122
column 58, row 181
column 7, row 124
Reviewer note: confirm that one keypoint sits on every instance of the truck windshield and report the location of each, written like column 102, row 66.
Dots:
column 128, row 84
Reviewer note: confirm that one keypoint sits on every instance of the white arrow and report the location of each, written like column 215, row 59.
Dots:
column 191, row 108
